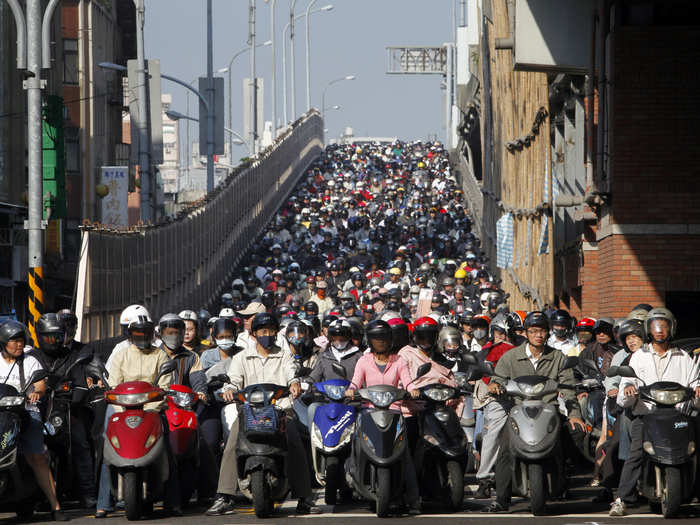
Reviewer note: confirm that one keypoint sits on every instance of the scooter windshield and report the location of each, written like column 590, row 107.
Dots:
column 333, row 388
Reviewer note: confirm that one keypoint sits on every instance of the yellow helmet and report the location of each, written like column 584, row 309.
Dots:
column 460, row 274
column 421, row 165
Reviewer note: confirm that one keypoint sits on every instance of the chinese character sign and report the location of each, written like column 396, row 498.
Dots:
column 115, row 209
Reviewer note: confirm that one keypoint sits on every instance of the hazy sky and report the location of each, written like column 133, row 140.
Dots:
column 348, row 40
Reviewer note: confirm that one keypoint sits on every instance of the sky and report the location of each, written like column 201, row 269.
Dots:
column 350, row 39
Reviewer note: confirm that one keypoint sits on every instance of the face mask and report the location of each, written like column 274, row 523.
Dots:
column 584, row 337
column 225, row 344
column 173, row 342
column 321, row 293
column 340, row 345
column 266, row 341
column 560, row 332
column 479, row 334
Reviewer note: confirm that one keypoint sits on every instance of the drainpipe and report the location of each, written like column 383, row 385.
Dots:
column 602, row 29
column 509, row 41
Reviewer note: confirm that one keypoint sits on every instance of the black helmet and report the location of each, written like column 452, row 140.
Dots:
column 70, row 322
column 311, row 308
column 536, row 318
column 203, row 317
column 224, row 323
column 264, row 319
column 328, row 320
column 605, row 325
column 356, row 327
column 339, row 328
column 141, row 332
column 630, row 327
column 561, row 317
column 378, row 330
column 268, row 298
column 11, row 330
column 51, row 334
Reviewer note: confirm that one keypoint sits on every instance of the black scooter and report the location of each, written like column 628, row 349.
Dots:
column 375, row 468
column 669, row 466
column 591, row 383
column 19, row 491
column 441, row 452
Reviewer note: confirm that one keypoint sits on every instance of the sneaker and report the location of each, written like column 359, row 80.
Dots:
column 306, row 506
column 483, row 492
column 223, row 505
column 618, row 508
column 496, row 507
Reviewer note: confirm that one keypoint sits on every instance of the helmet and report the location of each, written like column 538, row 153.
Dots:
column 203, row 317
column 605, row 325
column 536, row 318
column 311, row 308
column 70, row 322
column 481, row 320
column 449, row 340
column 11, row 330
column 339, row 328
column 587, row 324
column 51, row 334
column 296, row 333
column 516, row 322
column 356, row 327
column 660, row 313
column 484, row 300
column 448, row 281
column 630, row 327
column 188, row 315
column 500, row 322
column 172, row 341
column 268, row 298
column 140, row 331
column 395, row 271
column 223, row 324
column 425, row 331
column 561, row 317
column 227, row 312
column 460, row 274
column 448, row 320
column 378, row 330
column 643, row 306
column 264, row 319
column 399, row 333
column 133, row 312
column 638, row 313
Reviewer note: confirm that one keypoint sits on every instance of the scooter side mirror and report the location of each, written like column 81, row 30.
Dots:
column 84, row 356
column 302, row 371
column 166, row 368
column 340, row 370
column 37, row 375
column 612, row 371
column 626, row 371
column 571, row 362
column 470, row 359
column 423, row 369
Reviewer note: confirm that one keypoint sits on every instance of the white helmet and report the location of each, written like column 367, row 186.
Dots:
column 133, row 313
column 484, row 299
column 188, row 315
column 227, row 312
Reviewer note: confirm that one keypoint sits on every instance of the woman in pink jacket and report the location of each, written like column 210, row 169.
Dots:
column 381, row 367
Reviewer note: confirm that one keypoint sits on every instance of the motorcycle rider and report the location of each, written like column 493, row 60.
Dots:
column 584, row 335
column 561, row 338
column 193, row 340
column 656, row 361
column 244, row 339
column 480, row 332
column 224, row 333
column 140, row 361
column 16, row 367
column 266, row 363
column 532, row 358
column 56, row 358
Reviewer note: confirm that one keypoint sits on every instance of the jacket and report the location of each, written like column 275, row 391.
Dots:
column 323, row 370
column 515, row 363
column 677, row 368
column 134, row 364
column 189, row 371
column 437, row 374
column 396, row 373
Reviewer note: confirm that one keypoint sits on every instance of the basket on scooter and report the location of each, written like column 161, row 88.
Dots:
column 261, row 421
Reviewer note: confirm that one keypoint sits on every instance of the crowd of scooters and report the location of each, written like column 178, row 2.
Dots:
column 363, row 347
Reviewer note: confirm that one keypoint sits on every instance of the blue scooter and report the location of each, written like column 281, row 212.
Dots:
column 331, row 434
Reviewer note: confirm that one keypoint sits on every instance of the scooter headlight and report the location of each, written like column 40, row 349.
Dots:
column 57, row 422
column 667, row 397
column 531, row 390
column 183, row 399
column 439, row 394
column 335, row 392
column 515, row 427
column 11, row 401
column 381, row 399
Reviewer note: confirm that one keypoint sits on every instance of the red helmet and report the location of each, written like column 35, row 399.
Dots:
column 585, row 325
column 425, row 332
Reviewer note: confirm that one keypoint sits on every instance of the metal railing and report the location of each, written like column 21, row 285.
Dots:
column 187, row 261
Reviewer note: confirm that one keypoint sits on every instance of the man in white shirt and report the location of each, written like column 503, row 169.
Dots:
column 265, row 363
column 655, row 361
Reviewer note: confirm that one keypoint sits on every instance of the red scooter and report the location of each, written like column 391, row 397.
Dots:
column 134, row 447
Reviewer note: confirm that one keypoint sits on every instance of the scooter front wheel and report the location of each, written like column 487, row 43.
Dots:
column 332, row 480
column 132, row 495
column 538, row 488
column 383, row 491
column 672, row 494
column 261, row 494
column 455, row 484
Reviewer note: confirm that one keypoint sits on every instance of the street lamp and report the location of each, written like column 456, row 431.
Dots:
column 176, row 115
column 308, row 51
column 330, row 107
column 334, row 81
column 230, row 97
column 289, row 25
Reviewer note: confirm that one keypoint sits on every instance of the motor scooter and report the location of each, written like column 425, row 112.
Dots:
column 441, row 451
column 375, row 468
column 669, row 466
column 19, row 491
column 183, row 437
column 591, row 383
column 135, row 447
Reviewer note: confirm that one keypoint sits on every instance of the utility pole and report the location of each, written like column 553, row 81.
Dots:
column 253, row 81
column 308, row 55
column 273, row 78
column 291, row 51
column 210, row 99
column 145, row 170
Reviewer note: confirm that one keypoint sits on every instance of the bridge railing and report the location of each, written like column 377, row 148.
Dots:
column 187, row 261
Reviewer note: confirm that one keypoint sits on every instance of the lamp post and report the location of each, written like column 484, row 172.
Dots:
column 328, row 7
column 291, row 56
column 308, row 56
column 228, row 70
column 273, row 77
column 176, row 115
column 323, row 97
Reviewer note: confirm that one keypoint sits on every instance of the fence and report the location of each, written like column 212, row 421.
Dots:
column 187, row 262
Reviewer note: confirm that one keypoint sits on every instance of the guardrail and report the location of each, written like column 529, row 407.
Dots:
column 187, row 261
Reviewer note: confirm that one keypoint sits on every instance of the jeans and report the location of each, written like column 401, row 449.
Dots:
column 479, row 427
column 209, row 421
column 632, row 468
column 104, row 496
column 495, row 417
column 82, row 453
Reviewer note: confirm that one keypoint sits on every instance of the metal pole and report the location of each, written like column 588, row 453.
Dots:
column 144, row 150
column 210, row 99
column 284, row 74
column 34, row 160
column 230, row 114
column 448, row 98
column 187, row 146
column 462, row 13
column 253, row 82
column 273, row 78
column 291, row 51
column 308, row 56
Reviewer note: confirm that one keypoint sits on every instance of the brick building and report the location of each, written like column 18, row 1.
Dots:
column 623, row 159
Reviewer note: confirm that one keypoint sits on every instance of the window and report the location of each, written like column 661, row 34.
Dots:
column 70, row 61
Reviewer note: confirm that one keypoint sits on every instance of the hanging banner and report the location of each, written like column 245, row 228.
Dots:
column 115, row 207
